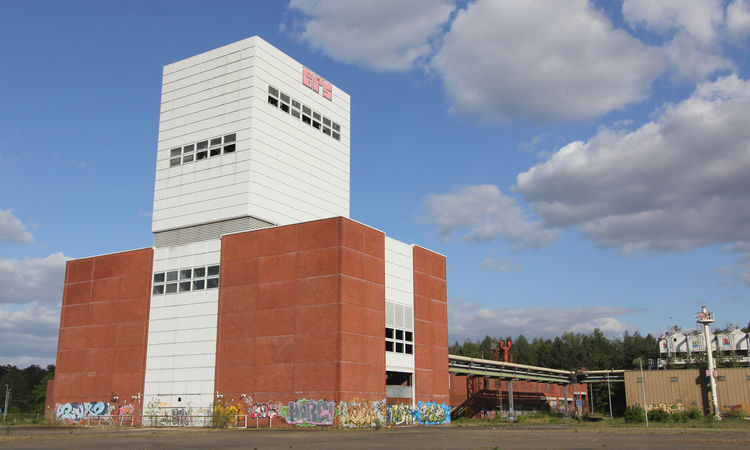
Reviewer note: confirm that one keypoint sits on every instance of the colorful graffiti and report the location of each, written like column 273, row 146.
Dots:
column 126, row 410
column 74, row 412
column 430, row 413
column 268, row 410
column 400, row 415
column 362, row 413
column 311, row 412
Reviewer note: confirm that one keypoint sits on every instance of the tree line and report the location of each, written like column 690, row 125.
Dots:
column 28, row 388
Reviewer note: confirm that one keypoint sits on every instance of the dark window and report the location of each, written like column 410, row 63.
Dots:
column 175, row 152
column 306, row 119
column 284, row 98
column 216, row 141
column 201, row 155
column 388, row 346
column 187, row 158
column 213, row 270
column 327, row 131
column 306, row 110
column 285, row 108
column 215, row 151
column 273, row 101
column 326, row 121
column 336, row 126
column 389, row 333
column 230, row 138
column 184, row 286
column 229, row 148
column 199, row 284
column 316, row 124
column 399, row 347
column 172, row 276
column 409, row 349
column 202, row 145
column 171, row 288
column 174, row 162
column 408, row 336
column 158, row 289
column 212, row 283
column 400, row 334
column 316, row 116
column 295, row 104
column 199, row 272
column 273, row 91
column 336, row 136
column 189, row 148
column 185, row 274
column 295, row 113
column 159, row 277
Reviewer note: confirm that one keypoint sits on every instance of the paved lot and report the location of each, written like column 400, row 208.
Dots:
column 421, row 437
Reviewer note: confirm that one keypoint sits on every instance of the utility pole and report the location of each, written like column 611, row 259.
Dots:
column 7, row 393
column 706, row 318
column 609, row 397
column 643, row 387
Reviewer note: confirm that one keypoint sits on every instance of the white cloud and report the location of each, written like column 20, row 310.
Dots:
column 689, row 61
column 483, row 213
column 474, row 320
column 738, row 19
column 500, row 265
column 676, row 183
column 543, row 61
column 384, row 35
column 698, row 18
column 11, row 228
column 32, row 279
column 29, row 335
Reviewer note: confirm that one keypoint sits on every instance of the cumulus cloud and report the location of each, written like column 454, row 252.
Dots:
column 738, row 19
column 473, row 320
column 384, row 35
column 11, row 228
column 676, row 183
column 543, row 61
column 32, row 279
column 500, row 265
column 483, row 213
column 29, row 335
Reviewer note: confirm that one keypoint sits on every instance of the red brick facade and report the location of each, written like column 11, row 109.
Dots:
column 101, row 350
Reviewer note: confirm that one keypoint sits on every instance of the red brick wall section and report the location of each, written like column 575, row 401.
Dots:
column 101, row 350
column 301, row 313
column 430, row 327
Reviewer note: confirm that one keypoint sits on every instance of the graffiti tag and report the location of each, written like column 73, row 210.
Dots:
column 311, row 412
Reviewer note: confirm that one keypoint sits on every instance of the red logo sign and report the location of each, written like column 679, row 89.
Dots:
column 315, row 82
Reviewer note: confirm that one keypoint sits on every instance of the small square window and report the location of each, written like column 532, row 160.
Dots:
column 188, row 148
column 284, row 107
column 327, row 131
column 273, row 101
column 408, row 336
column 295, row 104
column 199, row 272
column 184, row 286
column 389, row 333
column 202, row 145
column 187, row 158
column 326, row 121
column 201, row 155
column 336, row 136
column 295, row 113
column 316, row 125
column 215, row 151
column 284, row 98
column 159, row 277
column 388, row 346
column 316, row 115
column 199, row 284
column 229, row 148
column 306, row 110
column 273, row 91
column 335, row 126
column 213, row 270
column 216, row 141
column 172, row 276
column 306, row 119
column 230, row 138
column 174, row 162
column 175, row 152
column 400, row 334
column 212, row 283
column 186, row 274
column 399, row 347
column 158, row 289
column 171, row 288
column 409, row 349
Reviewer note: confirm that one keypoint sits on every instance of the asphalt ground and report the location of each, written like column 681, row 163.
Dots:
column 548, row 436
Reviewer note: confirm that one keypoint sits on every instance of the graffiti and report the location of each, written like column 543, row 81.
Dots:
column 400, row 415
column 311, row 412
column 362, row 413
column 264, row 410
column 74, row 412
column 180, row 417
column 126, row 410
column 430, row 413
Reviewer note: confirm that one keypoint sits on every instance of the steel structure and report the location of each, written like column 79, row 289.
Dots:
column 463, row 365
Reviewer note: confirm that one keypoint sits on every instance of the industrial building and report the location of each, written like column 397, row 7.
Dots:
column 258, row 287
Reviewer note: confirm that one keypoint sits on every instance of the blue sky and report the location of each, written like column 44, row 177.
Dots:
column 581, row 164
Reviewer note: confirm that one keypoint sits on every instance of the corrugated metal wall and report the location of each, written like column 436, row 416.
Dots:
column 688, row 387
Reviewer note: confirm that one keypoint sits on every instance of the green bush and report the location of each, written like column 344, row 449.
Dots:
column 658, row 415
column 694, row 414
column 634, row 414
column 740, row 414
column 680, row 416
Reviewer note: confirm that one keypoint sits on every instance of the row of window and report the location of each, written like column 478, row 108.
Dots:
column 304, row 113
column 202, row 150
column 186, row 280
column 399, row 341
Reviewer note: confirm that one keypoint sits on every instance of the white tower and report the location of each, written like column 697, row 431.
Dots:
column 706, row 318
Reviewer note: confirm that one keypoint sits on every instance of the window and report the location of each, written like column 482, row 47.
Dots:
column 187, row 158
column 399, row 341
column 399, row 334
column 201, row 155
column 175, row 152
column 191, row 279
column 188, row 148
column 174, row 162
column 183, row 155
column 229, row 148
column 215, row 142
column 300, row 111
column 202, row 145
column 215, row 151
column 230, row 138
column 273, row 101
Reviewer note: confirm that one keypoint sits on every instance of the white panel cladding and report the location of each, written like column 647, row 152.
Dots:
column 399, row 298
column 283, row 171
column 181, row 352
